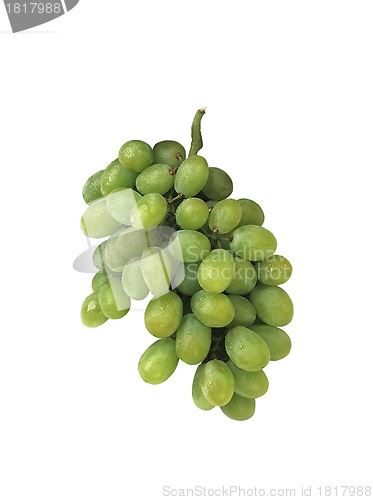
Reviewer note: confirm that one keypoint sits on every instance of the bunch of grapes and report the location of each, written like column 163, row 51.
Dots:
column 173, row 230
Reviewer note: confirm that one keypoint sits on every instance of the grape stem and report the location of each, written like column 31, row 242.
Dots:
column 178, row 197
column 197, row 142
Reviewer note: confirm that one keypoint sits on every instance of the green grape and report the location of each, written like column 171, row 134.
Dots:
column 91, row 189
column 244, row 277
column 217, row 382
column 219, row 185
column 189, row 286
column 191, row 176
column 212, row 309
column 199, row 399
column 156, row 269
column 248, row 384
column 120, row 203
column 245, row 313
column 193, row 340
column 158, row 362
column 171, row 153
column 163, row 315
column 132, row 280
column 90, row 313
column 136, row 155
column 125, row 245
column 252, row 214
column 274, row 270
column 116, row 176
column 97, row 222
column 98, row 257
column 246, row 349
column 253, row 242
column 155, row 179
column 98, row 280
column 273, row 305
column 216, row 270
column 225, row 216
column 113, row 300
column 192, row 213
column 278, row 341
column 149, row 211
column 189, row 246
column 239, row 408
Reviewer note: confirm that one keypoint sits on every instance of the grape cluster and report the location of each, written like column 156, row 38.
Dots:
column 173, row 230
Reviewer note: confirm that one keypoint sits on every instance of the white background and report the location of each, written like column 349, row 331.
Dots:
column 288, row 89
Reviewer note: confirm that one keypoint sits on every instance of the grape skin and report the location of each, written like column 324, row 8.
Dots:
column 239, row 408
column 212, row 309
column 199, row 399
column 246, row 349
column 278, row 341
column 163, row 315
column 193, row 340
column 272, row 304
column 217, row 382
column 158, row 362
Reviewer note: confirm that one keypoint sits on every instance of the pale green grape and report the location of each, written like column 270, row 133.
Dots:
column 132, row 280
column 155, row 179
column 158, row 362
column 113, row 300
column 193, row 340
column 136, row 155
column 189, row 286
column 219, row 185
column 91, row 313
column 163, row 315
column 239, row 408
column 277, row 340
column 120, row 203
column 274, row 270
column 189, row 246
column 199, row 399
column 191, row 176
column 245, row 313
column 156, row 270
column 216, row 270
column 212, row 309
column 251, row 213
column 225, row 216
column 217, row 382
column 98, row 257
column 116, row 176
column 171, row 153
column 97, row 222
column 91, row 189
column 253, row 242
column 192, row 213
column 98, row 280
column 244, row 277
column 246, row 349
column 125, row 245
column 149, row 211
column 272, row 304
column 248, row 384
